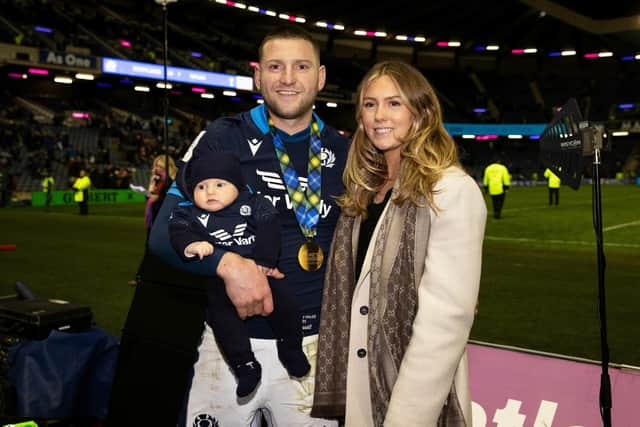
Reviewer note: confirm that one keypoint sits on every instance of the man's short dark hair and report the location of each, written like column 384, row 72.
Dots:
column 289, row 32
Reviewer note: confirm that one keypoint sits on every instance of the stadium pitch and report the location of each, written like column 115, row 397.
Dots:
column 539, row 285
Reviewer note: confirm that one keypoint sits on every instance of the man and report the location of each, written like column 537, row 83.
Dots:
column 81, row 186
column 553, row 182
column 496, row 183
column 47, row 187
column 282, row 137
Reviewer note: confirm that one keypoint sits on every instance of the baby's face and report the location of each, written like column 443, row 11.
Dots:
column 214, row 194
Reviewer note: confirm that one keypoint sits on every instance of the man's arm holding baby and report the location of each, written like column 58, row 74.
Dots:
column 245, row 284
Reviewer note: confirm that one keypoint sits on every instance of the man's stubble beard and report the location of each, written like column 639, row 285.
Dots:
column 299, row 112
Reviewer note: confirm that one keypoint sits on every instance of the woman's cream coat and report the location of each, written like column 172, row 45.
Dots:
column 447, row 296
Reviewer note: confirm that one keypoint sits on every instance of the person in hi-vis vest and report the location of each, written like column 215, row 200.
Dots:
column 81, row 186
column 496, row 183
column 554, row 186
column 47, row 187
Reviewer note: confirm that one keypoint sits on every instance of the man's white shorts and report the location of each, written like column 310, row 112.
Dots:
column 283, row 400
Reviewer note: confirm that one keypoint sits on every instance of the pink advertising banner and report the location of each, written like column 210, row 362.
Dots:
column 512, row 388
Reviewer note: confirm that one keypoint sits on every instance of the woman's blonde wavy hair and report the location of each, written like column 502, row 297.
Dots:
column 427, row 151
column 161, row 160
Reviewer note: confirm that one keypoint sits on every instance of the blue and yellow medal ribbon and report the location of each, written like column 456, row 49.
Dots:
column 306, row 202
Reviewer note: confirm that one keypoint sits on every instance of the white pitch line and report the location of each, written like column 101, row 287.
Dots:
column 626, row 224
column 560, row 242
column 544, row 206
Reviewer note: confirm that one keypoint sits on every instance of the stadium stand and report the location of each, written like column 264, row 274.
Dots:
column 123, row 129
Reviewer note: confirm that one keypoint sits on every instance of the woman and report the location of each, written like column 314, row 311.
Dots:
column 158, row 187
column 156, row 192
column 404, row 269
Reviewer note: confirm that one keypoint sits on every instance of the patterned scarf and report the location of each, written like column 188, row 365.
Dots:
column 339, row 283
column 392, row 307
column 393, row 301
column 396, row 268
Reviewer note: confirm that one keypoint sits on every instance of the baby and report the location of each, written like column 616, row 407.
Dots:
column 222, row 213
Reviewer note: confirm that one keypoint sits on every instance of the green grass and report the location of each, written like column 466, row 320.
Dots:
column 85, row 260
column 539, row 285
column 539, row 282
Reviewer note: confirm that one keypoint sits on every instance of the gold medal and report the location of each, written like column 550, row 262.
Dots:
column 310, row 256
